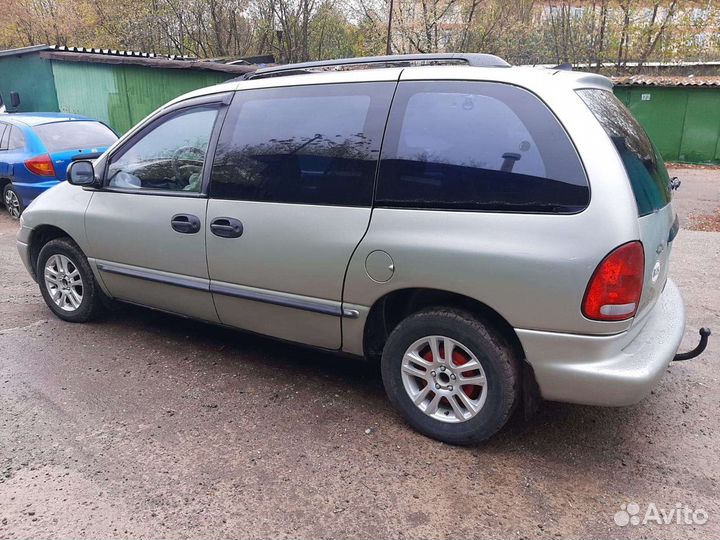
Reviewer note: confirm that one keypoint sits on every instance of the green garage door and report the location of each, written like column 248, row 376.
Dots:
column 122, row 95
column 683, row 122
column 662, row 112
column 701, row 132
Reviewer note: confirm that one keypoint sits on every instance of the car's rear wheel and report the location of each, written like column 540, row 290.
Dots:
column 450, row 375
column 67, row 283
column 13, row 201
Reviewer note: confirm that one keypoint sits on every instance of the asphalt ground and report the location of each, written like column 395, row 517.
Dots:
column 148, row 425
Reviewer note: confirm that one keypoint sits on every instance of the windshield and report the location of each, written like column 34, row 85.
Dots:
column 644, row 166
column 75, row 135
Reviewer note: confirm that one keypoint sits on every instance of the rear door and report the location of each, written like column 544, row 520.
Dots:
column 650, row 184
column 290, row 199
column 76, row 139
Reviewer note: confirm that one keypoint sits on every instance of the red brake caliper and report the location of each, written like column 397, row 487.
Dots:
column 428, row 356
column 459, row 359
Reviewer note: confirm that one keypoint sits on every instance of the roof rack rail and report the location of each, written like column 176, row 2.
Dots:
column 471, row 59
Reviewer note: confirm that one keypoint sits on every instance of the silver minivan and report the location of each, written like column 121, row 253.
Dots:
column 493, row 234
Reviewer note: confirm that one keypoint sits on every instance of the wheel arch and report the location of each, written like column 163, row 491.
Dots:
column 389, row 310
column 40, row 236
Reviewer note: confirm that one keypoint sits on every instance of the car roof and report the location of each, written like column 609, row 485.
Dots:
column 39, row 118
column 526, row 76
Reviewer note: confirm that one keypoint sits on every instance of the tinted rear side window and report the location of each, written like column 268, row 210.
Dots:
column 478, row 146
column 645, row 168
column 75, row 135
column 304, row 145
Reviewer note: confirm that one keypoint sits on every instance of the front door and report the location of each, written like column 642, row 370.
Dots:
column 146, row 226
column 290, row 199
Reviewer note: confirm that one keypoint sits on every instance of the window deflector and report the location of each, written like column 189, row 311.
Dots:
column 220, row 100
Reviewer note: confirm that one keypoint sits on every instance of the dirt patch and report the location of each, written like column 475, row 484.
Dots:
column 705, row 222
column 699, row 192
column 697, row 166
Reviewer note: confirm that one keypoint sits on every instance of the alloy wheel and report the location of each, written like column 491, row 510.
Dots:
column 444, row 379
column 12, row 203
column 64, row 282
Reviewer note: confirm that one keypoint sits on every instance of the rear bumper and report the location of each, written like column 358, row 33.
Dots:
column 608, row 370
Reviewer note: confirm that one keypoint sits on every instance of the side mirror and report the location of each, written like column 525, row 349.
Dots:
column 81, row 173
column 14, row 100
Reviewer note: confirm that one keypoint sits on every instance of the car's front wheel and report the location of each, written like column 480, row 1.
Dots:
column 67, row 283
column 13, row 201
column 450, row 375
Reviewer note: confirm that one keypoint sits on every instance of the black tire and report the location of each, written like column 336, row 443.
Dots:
column 16, row 207
column 501, row 367
column 91, row 304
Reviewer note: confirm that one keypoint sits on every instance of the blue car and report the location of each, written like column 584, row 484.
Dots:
column 36, row 148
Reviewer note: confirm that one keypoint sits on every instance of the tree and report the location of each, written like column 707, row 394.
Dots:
column 593, row 32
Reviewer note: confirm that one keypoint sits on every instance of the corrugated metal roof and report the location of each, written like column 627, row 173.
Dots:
column 24, row 50
column 661, row 65
column 667, row 80
column 118, row 52
column 141, row 59
column 115, row 56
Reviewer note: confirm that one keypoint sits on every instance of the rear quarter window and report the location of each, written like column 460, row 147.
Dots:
column 478, row 146
column 75, row 135
column 645, row 168
column 4, row 136
column 17, row 139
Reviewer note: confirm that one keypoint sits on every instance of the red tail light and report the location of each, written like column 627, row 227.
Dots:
column 41, row 165
column 613, row 293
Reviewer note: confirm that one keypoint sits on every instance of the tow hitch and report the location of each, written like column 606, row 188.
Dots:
column 704, row 335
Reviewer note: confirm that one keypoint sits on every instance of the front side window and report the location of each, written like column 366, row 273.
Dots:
column 303, row 145
column 645, row 168
column 478, row 146
column 170, row 156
